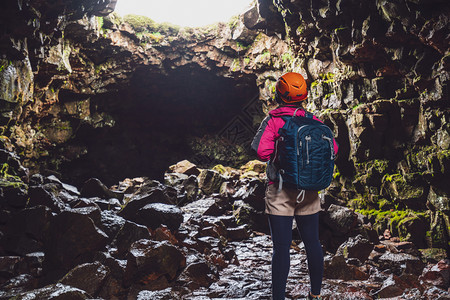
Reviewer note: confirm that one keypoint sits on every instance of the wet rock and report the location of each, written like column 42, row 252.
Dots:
column 165, row 294
column 40, row 195
column 210, row 181
column 112, row 204
column 34, row 262
column 130, row 210
column 9, row 267
column 157, row 214
column 95, row 188
column 253, row 193
column 88, row 277
column 163, row 233
column 69, row 188
column 401, row 263
column 191, row 187
column 337, row 268
column 438, row 274
column 238, row 233
column 356, row 247
column 71, row 236
column 185, row 167
column 111, row 223
column 395, row 286
column 245, row 214
column 127, row 235
column 53, row 292
column 92, row 212
column 341, row 220
column 148, row 260
column 198, row 273
column 18, row 284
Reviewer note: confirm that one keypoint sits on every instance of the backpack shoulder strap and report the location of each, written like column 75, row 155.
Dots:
column 308, row 114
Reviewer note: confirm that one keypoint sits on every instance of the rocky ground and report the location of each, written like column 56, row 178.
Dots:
column 199, row 235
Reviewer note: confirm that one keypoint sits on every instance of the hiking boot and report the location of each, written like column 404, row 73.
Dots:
column 310, row 297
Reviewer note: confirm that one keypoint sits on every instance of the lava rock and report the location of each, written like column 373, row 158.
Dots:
column 156, row 195
column 438, row 274
column 150, row 260
column 70, row 236
column 39, row 195
column 93, row 187
column 210, row 181
column 111, row 223
column 356, row 247
column 157, row 214
column 127, row 235
column 88, row 277
column 185, row 167
column 336, row 268
column 401, row 263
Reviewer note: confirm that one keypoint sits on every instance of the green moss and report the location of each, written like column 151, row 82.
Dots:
column 100, row 22
column 314, row 84
column 10, row 181
column 234, row 21
column 4, row 64
column 394, row 220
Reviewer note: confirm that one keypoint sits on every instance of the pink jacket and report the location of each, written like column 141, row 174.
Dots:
column 264, row 141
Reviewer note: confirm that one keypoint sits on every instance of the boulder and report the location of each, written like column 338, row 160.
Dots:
column 70, row 236
column 156, row 214
column 356, row 247
column 341, row 220
column 93, row 187
column 336, row 268
column 88, row 277
column 127, row 235
column 40, row 195
column 185, row 167
column 401, row 263
column 149, row 260
column 210, row 181
column 199, row 273
column 156, row 195
column 111, row 223
column 437, row 274
column 69, row 188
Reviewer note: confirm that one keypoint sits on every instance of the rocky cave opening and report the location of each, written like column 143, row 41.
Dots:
column 160, row 119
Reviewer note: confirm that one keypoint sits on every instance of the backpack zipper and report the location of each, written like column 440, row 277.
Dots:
column 331, row 145
column 307, row 139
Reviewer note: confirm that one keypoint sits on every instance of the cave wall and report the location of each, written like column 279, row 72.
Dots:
column 83, row 89
column 379, row 74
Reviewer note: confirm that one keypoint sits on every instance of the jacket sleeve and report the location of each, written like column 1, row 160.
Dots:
column 266, row 144
column 259, row 133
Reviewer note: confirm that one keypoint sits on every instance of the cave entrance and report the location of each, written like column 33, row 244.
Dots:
column 189, row 113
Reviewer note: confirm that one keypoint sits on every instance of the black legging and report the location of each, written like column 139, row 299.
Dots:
column 281, row 231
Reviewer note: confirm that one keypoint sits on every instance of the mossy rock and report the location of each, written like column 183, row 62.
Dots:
column 254, row 165
column 399, row 189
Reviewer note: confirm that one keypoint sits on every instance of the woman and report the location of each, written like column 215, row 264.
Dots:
column 282, row 204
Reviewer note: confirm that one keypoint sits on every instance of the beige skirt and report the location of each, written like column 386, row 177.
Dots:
column 288, row 202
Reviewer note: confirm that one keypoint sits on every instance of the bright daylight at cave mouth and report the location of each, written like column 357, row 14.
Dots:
column 187, row 13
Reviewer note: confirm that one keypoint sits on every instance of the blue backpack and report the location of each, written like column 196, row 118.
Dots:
column 305, row 153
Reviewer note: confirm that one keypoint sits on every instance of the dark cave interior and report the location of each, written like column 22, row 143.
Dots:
column 160, row 119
